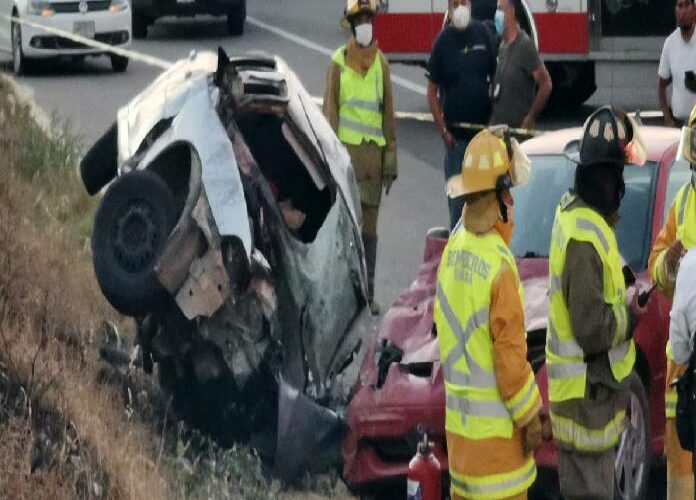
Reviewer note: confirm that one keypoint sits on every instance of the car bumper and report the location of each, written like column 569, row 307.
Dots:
column 109, row 28
column 158, row 8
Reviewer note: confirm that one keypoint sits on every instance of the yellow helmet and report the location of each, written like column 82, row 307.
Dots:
column 355, row 7
column 490, row 163
column 687, row 143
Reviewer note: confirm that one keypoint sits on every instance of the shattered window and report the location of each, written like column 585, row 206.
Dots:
column 303, row 195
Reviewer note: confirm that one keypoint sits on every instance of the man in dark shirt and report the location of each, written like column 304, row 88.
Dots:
column 461, row 67
column 522, row 84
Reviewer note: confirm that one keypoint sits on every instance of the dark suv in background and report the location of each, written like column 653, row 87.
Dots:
column 146, row 11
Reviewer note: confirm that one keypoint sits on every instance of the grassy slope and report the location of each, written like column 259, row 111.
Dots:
column 64, row 429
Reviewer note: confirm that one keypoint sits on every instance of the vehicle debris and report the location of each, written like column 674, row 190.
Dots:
column 229, row 232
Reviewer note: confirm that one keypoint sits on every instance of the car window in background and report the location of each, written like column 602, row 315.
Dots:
column 679, row 174
column 552, row 176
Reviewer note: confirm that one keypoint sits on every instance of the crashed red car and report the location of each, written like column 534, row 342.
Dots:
column 400, row 392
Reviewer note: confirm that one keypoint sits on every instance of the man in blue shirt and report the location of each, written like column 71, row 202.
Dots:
column 461, row 67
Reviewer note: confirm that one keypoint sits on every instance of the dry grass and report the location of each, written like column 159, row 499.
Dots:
column 64, row 429
column 50, row 309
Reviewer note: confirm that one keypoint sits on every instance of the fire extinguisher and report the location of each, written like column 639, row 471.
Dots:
column 424, row 477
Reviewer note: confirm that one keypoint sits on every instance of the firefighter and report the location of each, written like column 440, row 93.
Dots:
column 493, row 403
column 676, row 237
column 589, row 347
column 358, row 103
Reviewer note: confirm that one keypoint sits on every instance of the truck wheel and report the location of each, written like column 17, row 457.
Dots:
column 139, row 26
column 236, row 19
column 632, row 465
column 130, row 231
column 119, row 63
column 573, row 84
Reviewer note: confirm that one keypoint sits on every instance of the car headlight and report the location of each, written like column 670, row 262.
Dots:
column 43, row 9
column 118, row 6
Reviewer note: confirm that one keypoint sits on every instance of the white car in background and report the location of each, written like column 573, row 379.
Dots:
column 106, row 21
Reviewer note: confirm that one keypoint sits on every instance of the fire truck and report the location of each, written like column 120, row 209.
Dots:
column 585, row 44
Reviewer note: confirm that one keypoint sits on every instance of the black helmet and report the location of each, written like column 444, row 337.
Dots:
column 609, row 136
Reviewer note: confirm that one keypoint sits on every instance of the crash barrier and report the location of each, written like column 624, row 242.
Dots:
column 164, row 65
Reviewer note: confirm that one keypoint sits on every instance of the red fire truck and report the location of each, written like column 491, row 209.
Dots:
column 578, row 40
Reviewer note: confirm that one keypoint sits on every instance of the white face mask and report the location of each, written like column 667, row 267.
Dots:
column 461, row 17
column 363, row 34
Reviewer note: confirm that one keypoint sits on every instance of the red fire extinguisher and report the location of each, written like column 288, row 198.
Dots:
column 424, row 480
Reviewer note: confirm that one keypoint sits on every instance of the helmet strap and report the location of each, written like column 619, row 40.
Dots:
column 501, row 184
column 501, row 205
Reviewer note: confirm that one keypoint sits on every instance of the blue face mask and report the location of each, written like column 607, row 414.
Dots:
column 499, row 19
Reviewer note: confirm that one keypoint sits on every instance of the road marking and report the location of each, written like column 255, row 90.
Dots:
column 308, row 44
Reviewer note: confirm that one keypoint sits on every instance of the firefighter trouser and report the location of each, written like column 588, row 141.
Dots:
column 680, row 477
column 370, row 214
column 586, row 476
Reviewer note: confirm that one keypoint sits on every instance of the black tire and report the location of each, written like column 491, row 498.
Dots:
column 633, row 455
column 573, row 84
column 119, row 63
column 130, row 232
column 236, row 19
column 139, row 28
column 19, row 62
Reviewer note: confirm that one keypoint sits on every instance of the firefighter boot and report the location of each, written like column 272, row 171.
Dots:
column 370, row 245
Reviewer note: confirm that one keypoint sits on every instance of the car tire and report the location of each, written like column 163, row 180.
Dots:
column 119, row 63
column 19, row 62
column 632, row 465
column 236, row 20
column 130, row 232
column 139, row 26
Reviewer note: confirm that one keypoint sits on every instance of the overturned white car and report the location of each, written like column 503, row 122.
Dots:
column 230, row 232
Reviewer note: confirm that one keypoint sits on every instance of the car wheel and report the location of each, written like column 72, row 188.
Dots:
column 236, row 19
column 632, row 465
column 130, row 231
column 119, row 63
column 19, row 62
column 139, row 26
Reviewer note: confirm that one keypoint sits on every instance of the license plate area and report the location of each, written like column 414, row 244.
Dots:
column 180, row 2
column 84, row 28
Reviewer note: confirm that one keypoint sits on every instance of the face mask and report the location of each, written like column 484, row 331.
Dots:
column 499, row 22
column 363, row 34
column 461, row 17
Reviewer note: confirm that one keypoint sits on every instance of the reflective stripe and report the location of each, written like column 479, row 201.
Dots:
column 472, row 408
column 532, row 392
column 495, row 486
column 682, row 207
column 567, row 431
column 359, row 127
column 554, row 284
column 477, row 377
column 588, row 225
column 671, row 403
column 563, row 348
column 566, row 370
column 619, row 352
column 504, row 251
column 366, row 105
